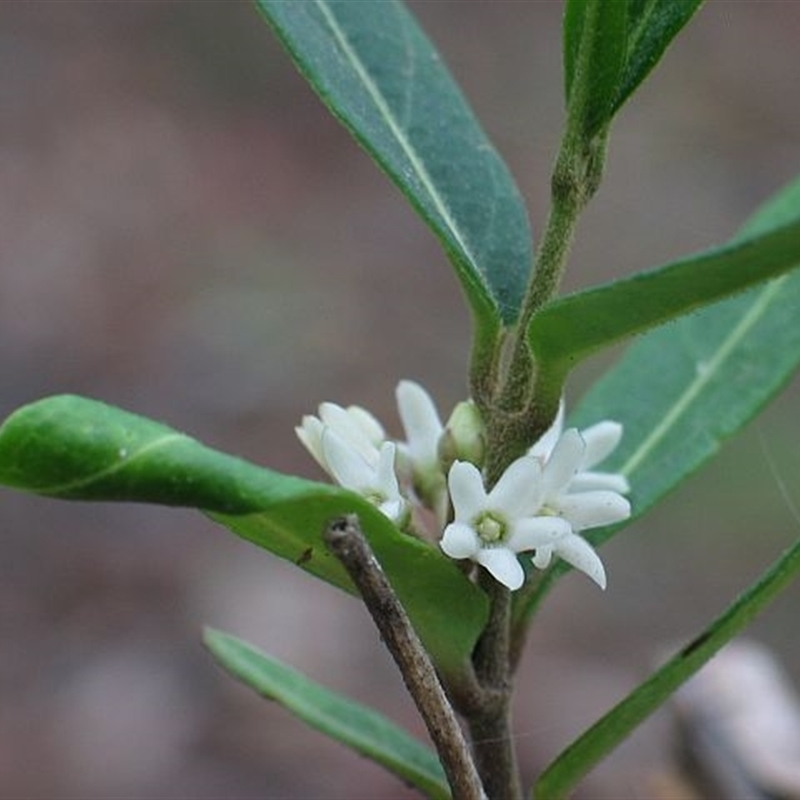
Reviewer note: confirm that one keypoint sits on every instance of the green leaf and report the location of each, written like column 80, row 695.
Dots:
column 593, row 745
column 683, row 389
column 653, row 24
column 78, row 449
column 578, row 325
column 359, row 727
column 595, row 35
column 680, row 392
column 381, row 77
column 611, row 47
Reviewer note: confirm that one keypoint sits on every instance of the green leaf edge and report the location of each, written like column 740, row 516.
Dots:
column 645, row 30
column 579, row 325
column 357, row 726
column 595, row 38
column 637, row 67
column 48, row 434
column 586, row 751
column 778, row 210
column 489, row 314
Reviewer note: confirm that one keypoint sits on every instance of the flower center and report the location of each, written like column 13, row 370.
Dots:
column 376, row 497
column 490, row 528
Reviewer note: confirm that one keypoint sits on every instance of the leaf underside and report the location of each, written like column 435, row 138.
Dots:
column 376, row 71
column 357, row 726
column 680, row 392
column 683, row 389
column 79, row 449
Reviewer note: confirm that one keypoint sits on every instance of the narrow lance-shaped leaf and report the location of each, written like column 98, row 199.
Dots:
column 357, row 726
column 73, row 448
column 652, row 25
column 382, row 78
column 683, row 389
column 592, row 746
column 623, row 40
column 574, row 327
column 595, row 35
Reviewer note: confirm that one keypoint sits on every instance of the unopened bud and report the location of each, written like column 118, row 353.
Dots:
column 464, row 437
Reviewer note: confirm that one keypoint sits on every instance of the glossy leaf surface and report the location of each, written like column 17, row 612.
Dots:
column 622, row 42
column 652, row 25
column 381, row 77
column 683, row 389
column 355, row 725
column 73, row 448
column 595, row 35
column 572, row 328
column 590, row 748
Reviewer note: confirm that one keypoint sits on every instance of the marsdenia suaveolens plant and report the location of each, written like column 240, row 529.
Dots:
column 454, row 536
column 539, row 504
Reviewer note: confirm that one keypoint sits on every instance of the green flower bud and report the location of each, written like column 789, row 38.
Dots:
column 464, row 437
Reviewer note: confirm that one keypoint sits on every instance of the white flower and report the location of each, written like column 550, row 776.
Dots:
column 491, row 528
column 541, row 503
column 600, row 440
column 422, row 425
column 593, row 508
column 374, row 480
column 419, row 463
column 356, row 426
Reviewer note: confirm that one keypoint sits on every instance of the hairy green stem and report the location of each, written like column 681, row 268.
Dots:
column 524, row 402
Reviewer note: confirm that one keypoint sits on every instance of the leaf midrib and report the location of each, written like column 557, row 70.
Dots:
column 123, row 463
column 395, row 128
column 684, row 401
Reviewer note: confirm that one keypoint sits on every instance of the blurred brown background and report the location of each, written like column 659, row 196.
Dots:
column 186, row 233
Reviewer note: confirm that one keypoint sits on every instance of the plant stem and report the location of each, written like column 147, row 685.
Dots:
column 524, row 402
column 346, row 541
column 490, row 725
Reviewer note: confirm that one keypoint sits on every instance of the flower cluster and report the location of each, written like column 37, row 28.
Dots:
column 540, row 505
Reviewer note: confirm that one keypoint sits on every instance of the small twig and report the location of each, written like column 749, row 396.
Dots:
column 346, row 541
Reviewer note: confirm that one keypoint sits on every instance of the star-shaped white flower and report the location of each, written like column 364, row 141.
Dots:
column 600, row 440
column 355, row 425
column 376, row 481
column 593, row 508
column 492, row 527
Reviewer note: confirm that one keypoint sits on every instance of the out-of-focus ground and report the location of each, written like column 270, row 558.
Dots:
column 186, row 233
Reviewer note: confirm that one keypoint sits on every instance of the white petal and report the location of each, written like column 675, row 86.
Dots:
column 460, row 541
column 372, row 429
column 347, row 428
column 466, row 490
column 518, row 493
column 503, row 566
column 578, row 552
column 593, row 509
column 534, row 532
column 420, row 421
column 310, row 434
column 394, row 509
column 594, row 481
column 543, row 556
column 564, row 462
column 347, row 466
column 544, row 446
column 385, row 475
column 600, row 440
